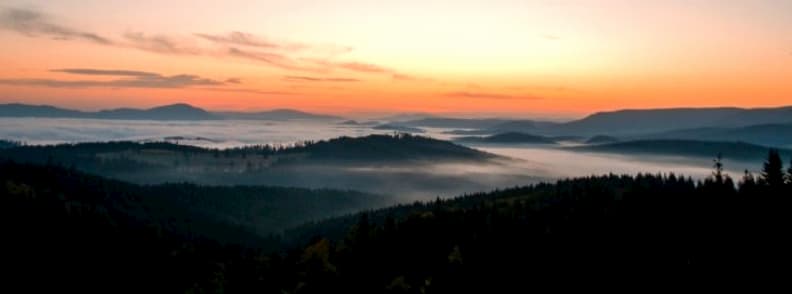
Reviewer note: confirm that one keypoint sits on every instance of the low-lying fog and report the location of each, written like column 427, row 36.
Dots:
column 526, row 164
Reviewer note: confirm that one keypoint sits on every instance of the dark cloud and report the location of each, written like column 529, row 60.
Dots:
column 104, row 72
column 313, row 79
column 33, row 23
column 478, row 95
column 134, row 79
column 159, row 44
column 233, row 81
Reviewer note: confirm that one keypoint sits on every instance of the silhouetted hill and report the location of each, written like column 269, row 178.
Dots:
column 602, row 139
column 706, row 149
column 398, row 128
column 277, row 114
column 168, row 112
column 25, row 110
column 658, row 120
column 779, row 135
column 511, row 137
column 179, row 111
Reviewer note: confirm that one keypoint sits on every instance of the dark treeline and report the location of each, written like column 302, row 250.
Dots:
column 520, row 237
column 372, row 147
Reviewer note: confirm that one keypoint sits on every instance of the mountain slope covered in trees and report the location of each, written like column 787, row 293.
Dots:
column 583, row 227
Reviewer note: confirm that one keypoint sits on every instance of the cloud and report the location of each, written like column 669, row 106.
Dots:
column 479, row 95
column 239, row 38
column 33, row 23
column 313, row 79
column 159, row 44
column 234, row 44
column 403, row 77
column 233, row 81
column 273, row 59
column 252, row 91
column 363, row 67
column 133, row 79
column 103, row 72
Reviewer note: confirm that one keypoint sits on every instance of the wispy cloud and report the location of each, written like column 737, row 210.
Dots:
column 273, row 59
column 159, row 44
column 251, row 91
column 132, row 79
column 480, row 95
column 240, row 39
column 314, row 79
column 235, row 44
column 105, row 72
column 33, row 23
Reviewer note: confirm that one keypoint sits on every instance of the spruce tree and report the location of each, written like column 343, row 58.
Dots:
column 773, row 170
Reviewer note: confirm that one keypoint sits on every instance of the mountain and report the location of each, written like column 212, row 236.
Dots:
column 179, row 111
column 705, row 149
column 167, row 112
column 26, row 110
column 633, row 122
column 779, row 135
column 277, row 115
column 510, row 137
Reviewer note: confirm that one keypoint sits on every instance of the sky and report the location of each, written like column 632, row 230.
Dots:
column 529, row 58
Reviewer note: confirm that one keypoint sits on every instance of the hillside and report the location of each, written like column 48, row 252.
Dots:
column 509, row 138
column 381, row 164
column 706, row 149
column 631, row 122
column 96, row 234
column 179, row 111
column 277, row 115
column 779, row 135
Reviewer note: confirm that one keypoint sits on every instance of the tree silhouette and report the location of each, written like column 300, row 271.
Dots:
column 773, row 170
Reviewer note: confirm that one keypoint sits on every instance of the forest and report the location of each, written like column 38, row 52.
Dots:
column 87, row 233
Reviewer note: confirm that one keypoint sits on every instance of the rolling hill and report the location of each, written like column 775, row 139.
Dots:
column 179, row 111
column 694, row 148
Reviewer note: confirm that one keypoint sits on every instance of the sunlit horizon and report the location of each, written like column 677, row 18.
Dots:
column 556, row 59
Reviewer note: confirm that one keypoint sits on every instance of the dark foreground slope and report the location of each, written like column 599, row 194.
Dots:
column 515, row 239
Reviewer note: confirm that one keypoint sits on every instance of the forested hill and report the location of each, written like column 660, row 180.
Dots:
column 552, row 233
column 729, row 150
column 228, row 213
column 381, row 148
column 65, row 229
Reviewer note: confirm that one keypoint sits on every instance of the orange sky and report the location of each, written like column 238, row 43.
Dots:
column 547, row 58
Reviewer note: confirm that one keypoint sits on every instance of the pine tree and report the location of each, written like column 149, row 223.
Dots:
column 773, row 170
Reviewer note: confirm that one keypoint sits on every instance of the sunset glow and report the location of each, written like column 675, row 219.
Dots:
column 554, row 58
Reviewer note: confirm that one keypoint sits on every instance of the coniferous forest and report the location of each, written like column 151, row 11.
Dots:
column 86, row 233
